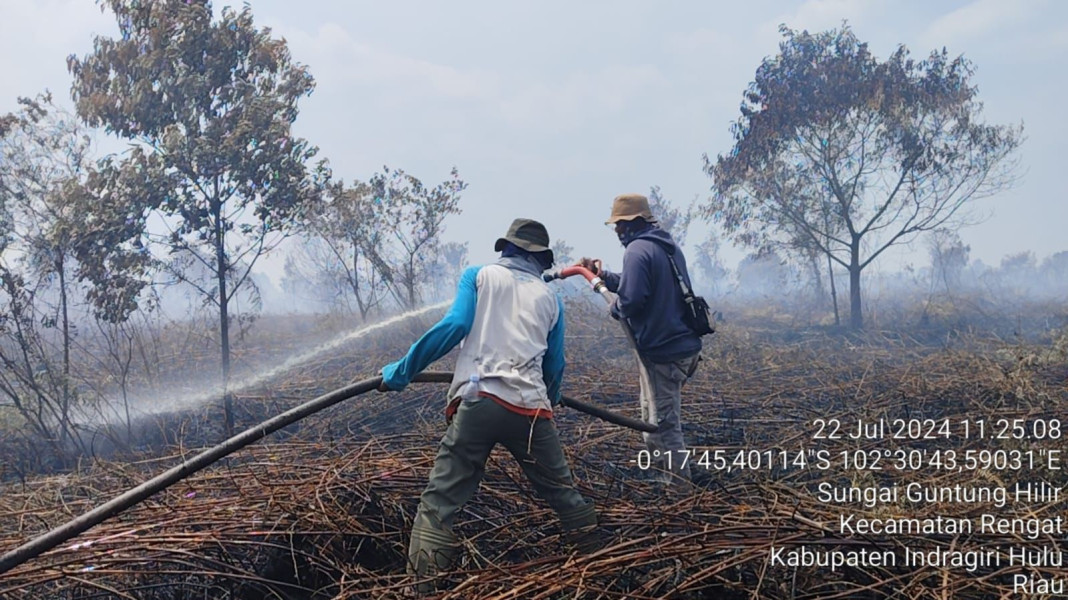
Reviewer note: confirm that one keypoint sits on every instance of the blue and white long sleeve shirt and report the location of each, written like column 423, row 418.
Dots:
column 510, row 325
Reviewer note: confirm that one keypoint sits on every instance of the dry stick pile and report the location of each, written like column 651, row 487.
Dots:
column 325, row 512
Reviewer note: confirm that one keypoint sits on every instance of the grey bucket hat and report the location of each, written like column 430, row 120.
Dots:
column 528, row 234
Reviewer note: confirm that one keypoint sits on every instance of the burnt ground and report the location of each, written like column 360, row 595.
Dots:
column 323, row 509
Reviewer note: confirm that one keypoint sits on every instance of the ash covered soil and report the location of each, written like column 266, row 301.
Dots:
column 323, row 509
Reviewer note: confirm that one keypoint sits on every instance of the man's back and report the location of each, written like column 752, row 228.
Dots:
column 509, row 337
column 650, row 298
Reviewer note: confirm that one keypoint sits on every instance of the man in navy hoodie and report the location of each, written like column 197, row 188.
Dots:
column 651, row 303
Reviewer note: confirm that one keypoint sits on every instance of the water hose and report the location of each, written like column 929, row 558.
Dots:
column 595, row 281
column 599, row 286
column 648, row 407
column 116, row 505
column 589, row 409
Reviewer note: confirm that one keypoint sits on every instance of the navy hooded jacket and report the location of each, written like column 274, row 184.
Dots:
column 650, row 298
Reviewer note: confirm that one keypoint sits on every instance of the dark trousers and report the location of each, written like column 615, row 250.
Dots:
column 478, row 426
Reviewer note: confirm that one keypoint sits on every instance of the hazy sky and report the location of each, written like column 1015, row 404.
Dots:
column 549, row 109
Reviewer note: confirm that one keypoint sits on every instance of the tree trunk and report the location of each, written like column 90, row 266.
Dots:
column 361, row 304
column 818, row 292
column 224, row 316
column 126, row 362
column 66, row 325
column 856, row 317
column 66, row 427
column 834, row 292
column 410, row 282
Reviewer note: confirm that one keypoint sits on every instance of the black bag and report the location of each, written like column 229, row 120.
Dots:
column 697, row 315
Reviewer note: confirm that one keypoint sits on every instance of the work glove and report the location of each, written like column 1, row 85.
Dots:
column 593, row 264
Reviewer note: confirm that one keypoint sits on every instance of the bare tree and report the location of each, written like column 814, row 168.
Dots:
column 410, row 218
column 452, row 260
column 671, row 219
column 31, row 381
column 122, row 354
column 342, row 235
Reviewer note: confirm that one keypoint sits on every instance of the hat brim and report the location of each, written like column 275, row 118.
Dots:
column 617, row 218
column 524, row 244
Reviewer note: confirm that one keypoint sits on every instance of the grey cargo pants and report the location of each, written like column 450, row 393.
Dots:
column 478, row 426
column 661, row 400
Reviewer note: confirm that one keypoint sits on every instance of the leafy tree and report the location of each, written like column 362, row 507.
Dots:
column 410, row 220
column 379, row 240
column 209, row 105
column 837, row 151
column 62, row 245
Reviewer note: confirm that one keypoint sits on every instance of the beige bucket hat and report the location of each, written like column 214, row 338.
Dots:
column 628, row 207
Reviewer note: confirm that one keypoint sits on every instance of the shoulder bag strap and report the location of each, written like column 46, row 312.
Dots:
column 686, row 293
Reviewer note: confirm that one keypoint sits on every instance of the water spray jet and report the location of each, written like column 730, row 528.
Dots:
column 143, row 408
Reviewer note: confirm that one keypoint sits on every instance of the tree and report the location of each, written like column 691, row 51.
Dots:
column 342, row 233
column 44, row 158
column 1019, row 272
column 209, row 105
column 1055, row 271
column 853, row 155
column 672, row 220
column 313, row 274
column 370, row 241
column 452, row 260
column 62, row 246
column 711, row 274
column 408, row 219
column 949, row 257
column 31, row 382
column 766, row 275
column 562, row 252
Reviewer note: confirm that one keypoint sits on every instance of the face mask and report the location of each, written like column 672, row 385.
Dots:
column 630, row 230
column 545, row 260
